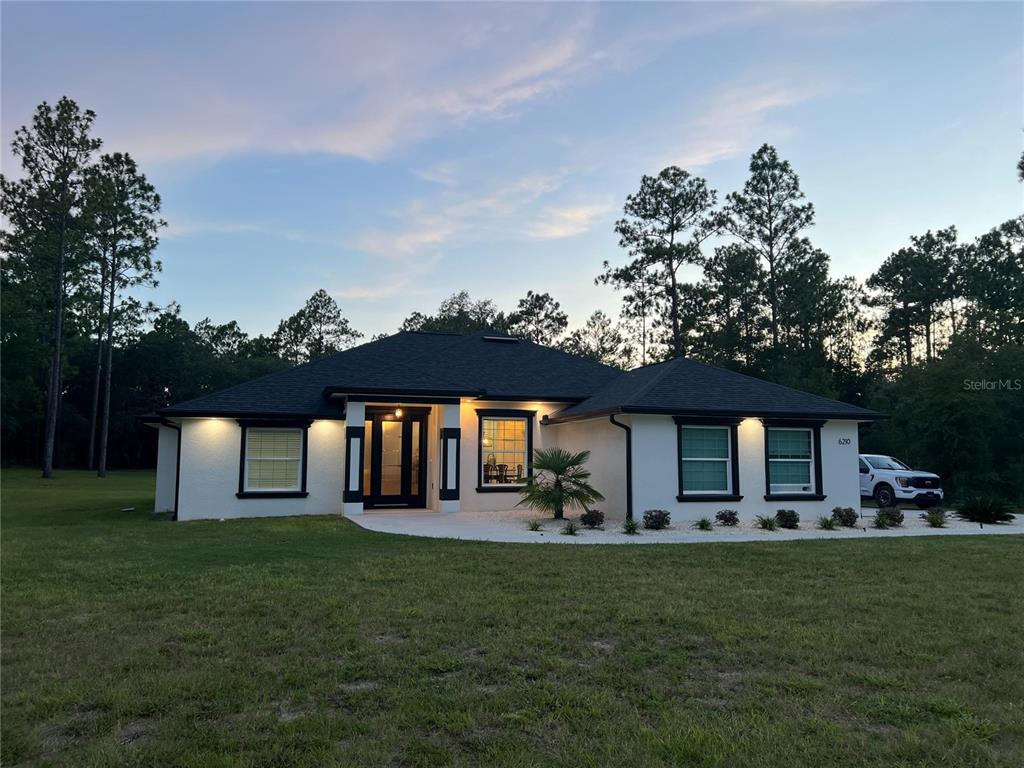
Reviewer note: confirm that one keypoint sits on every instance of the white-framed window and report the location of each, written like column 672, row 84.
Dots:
column 706, row 455
column 273, row 459
column 505, row 447
column 790, row 460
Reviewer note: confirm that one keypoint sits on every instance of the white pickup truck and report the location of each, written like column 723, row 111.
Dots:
column 889, row 481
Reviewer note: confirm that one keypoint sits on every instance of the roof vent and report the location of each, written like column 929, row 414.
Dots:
column 501, row 339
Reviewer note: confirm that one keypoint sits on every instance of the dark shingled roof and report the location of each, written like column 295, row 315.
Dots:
column 488, row 365
column 426, row 364
column 687, row 387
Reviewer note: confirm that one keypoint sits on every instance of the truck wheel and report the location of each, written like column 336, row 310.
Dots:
column 884, row 496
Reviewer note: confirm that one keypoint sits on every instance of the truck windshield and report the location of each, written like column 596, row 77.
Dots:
column 886, row 462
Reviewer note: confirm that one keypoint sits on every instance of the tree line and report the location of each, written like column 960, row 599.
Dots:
column 83, row 357
column 934, row 337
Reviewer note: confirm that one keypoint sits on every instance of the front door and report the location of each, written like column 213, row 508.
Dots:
column 395, row 471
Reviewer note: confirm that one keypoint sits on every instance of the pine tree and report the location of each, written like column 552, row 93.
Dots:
column 121, row 214
column 316, row 330
column 663, row 227
column 42, row 209
column 539, row 318
column 768, row 217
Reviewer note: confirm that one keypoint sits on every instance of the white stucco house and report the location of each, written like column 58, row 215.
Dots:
column 448, row 422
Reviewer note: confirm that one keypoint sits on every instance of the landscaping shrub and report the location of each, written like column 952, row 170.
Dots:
column 895, row 515
column 845, row 516
column 704, row 524
column 592, row 518
column 827, row 523
column 766, row 522
column 985, row 509
column 656, row 519
column 788, row 518
column 630, row 527
column 888, row 517
column 935, row 517
column 570, row 529
column 559, row 482
column 535, row 525
column 727, row 517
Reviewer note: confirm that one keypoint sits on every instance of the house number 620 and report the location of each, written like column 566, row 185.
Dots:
column 844, row 441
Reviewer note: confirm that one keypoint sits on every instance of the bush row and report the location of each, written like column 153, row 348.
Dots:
column 982, row 510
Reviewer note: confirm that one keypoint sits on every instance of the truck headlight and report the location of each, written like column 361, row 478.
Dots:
column 903, row 482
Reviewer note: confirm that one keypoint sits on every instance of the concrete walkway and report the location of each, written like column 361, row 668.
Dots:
column 511, row 527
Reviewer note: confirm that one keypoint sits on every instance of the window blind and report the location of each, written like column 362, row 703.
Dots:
column 272, row 458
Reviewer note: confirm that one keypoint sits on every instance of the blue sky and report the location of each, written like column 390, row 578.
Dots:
column 393, row 154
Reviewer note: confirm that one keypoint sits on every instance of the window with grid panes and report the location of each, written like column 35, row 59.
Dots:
column 504, row 450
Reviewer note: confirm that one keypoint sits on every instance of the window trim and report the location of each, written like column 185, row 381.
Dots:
column 814, row 427
column 734, row 465
column 246, row 425
column 502, row 413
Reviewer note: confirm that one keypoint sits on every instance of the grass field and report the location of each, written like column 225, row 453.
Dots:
column 128, row 640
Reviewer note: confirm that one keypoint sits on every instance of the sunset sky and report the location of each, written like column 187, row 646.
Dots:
column 393, row 154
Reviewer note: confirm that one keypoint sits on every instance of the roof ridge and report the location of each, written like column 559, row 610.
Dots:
column 770, row 383
column 655, row 379
column 656, row 363
column 569, row 354
column 405, row 362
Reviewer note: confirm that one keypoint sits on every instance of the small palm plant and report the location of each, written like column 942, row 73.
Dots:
column 559, row 482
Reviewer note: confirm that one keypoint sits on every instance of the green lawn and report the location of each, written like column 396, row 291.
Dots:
column 309, row 642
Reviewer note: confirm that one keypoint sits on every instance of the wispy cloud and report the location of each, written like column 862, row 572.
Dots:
column 568, row 220
column 444, row 172
column 396, row 282
column 737, row 118
column 456, row 83
column 364, row 82
column 423, row 228
column 424, row 225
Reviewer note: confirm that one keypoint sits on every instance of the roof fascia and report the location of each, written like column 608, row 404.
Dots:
column 574, row 399
column 867, row 416
column 354, row 392
column 279, row 415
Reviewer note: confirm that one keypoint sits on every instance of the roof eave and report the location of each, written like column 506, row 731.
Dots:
column 556, row 419
column 229, row 414
column 866, row 416
column 393, row 391
column 574, row 399
column 477, row 394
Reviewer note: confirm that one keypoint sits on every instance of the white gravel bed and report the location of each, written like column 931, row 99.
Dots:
column 512, row 527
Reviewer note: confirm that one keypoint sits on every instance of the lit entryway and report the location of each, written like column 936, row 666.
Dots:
column 394, row 466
